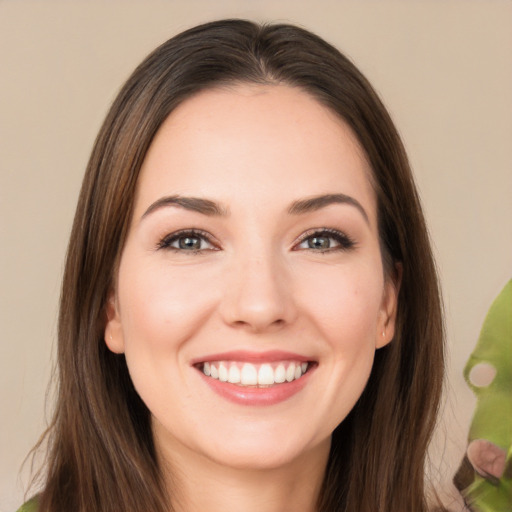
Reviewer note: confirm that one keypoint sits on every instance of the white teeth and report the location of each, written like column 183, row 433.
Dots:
column 223, row 373
column 290, row 372
column 234, row 374
column 265, row 375
column 248, row 374
column 280, row 374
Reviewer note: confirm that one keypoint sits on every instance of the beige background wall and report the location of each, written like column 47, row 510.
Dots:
column 444, row 68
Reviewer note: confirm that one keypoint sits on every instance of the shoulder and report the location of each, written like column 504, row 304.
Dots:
column 29, row 506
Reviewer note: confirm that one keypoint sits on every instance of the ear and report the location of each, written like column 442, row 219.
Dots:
column 389, row 305
column 113, row 329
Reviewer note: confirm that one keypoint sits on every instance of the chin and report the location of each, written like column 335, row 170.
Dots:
column 266, row 451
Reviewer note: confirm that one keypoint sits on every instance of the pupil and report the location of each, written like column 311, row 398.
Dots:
column 190, row 243
column 319, row 242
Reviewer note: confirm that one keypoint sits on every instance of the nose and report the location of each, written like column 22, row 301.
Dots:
column 258, row 294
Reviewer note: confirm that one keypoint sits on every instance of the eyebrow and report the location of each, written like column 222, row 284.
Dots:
column 317, row 202
column 213, row 209
column 195, row 204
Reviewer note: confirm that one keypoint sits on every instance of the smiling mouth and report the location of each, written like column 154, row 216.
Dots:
column 246, row 374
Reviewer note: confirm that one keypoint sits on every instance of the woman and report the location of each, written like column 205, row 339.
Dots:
column 250, row 315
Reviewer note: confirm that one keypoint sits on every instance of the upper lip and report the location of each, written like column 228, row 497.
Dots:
column 252, row 357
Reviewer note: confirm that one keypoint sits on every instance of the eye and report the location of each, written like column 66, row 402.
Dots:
column 325, row 240
column 187, row 241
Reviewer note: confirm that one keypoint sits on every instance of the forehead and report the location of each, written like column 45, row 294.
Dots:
column 229, row 141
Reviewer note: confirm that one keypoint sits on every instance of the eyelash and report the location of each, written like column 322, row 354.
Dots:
column 344, row 242
column 166, row 242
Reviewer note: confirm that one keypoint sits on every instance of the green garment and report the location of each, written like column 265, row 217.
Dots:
column 30, row 506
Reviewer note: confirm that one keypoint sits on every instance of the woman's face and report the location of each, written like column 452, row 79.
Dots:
column 251, row 295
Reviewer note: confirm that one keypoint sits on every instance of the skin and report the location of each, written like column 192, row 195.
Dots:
column 254, row 285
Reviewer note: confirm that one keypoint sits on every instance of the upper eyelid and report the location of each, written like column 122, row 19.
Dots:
column 186, row 231
column 314, row 231
column 321, row 231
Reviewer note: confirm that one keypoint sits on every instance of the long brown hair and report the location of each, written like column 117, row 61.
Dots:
column 101, row 456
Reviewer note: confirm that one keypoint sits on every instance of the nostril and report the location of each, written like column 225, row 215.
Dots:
column 258, row 323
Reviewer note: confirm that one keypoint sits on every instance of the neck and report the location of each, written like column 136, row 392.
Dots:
column 197, row 483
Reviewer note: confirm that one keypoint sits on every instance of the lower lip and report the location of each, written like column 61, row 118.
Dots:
column 257, row 396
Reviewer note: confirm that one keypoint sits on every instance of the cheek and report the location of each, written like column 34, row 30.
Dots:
column 344, row 304
column 344, row 310
column 161, row 309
